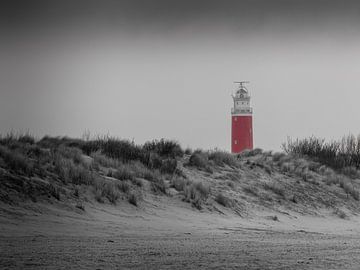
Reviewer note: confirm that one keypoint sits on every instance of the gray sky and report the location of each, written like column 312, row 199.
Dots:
column 150, row 69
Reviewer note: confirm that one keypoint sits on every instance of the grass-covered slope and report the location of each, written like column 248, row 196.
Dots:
column 106, row 170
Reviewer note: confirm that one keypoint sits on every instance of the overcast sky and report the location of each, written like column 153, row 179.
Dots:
column 150, row 69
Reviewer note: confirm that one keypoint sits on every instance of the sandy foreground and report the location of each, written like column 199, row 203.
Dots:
column 164, row 235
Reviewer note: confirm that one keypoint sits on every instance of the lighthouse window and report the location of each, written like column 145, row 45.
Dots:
column 235, row 141
column 235, row 119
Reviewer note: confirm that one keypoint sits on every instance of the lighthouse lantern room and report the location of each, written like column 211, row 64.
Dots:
column 241, row 120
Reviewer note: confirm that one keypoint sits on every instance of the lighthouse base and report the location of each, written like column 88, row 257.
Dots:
column 241, row 133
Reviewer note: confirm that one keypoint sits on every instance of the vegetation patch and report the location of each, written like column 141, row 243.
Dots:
column 221, row 158
column 133, row 199
column 275, row 188
column 196, row 193
column 223, row 200
column 251, row 190
column 336, row 154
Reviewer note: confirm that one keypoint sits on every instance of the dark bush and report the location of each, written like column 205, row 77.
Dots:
column 16, row 161
column 107, row 190
column 54, row 191
column 251, row 190
column 188, row 151
column 50, row 142
column 121, row 149
column 69, row 172
column 80, row 206
column 223, row 200
column 179, row 183
column 251, row 153
column 275, row 188
column 168, row 166
column 221, row 157
column 152, row 160
column 166, row 148
column 133, row 199
column 111, row 192
column 92, row 146
column 124, row 173
column 196, row 193
column 158, row 186
column 123, row 186
column 199, row 159
column 26, row 138
column 21, row 138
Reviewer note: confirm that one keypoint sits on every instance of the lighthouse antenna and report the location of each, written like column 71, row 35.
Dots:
column 242, row 85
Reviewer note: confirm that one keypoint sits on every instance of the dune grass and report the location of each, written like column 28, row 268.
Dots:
column 336, row 154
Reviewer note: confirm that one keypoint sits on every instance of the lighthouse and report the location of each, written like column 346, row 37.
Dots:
column 241, row 120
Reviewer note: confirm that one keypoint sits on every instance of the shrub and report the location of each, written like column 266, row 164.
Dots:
column 251, row 190
column 340, row 213
column 152, row 160
column 138, row 182
column 124, row 172
column 111, row 192
column 139, row 170
column 68, row 171
column 326, row 170
column 99, row 196
column 107, row 190
column 275, row 188
column 158, row 186
column 92, row 146
column 179, row 183
column 80, row 206
column 277, row 156
column 350, row 171
column 16, row 161
column 71, row 153
column 188, row 151
column 123, row 186
column 199, row 159
column 197, row 190
column 332, row 179
column 251, row 153
column 54, row 191
column 164, row 147
column 104, row 160
column 268, row 169
column 191, row 193
column 196, row 193
column 287, row 167
column 50, row 142
column 12, row 138
column 80, row 175
column 26, row 138
column 168, row 166
column 133, row 199
column 221, row 157
column 76, row 192
column 349, row 189
column 204, row 189
column 223, row 200
column 121, row 149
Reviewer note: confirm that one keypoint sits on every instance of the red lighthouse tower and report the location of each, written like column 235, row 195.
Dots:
column 241, row 120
